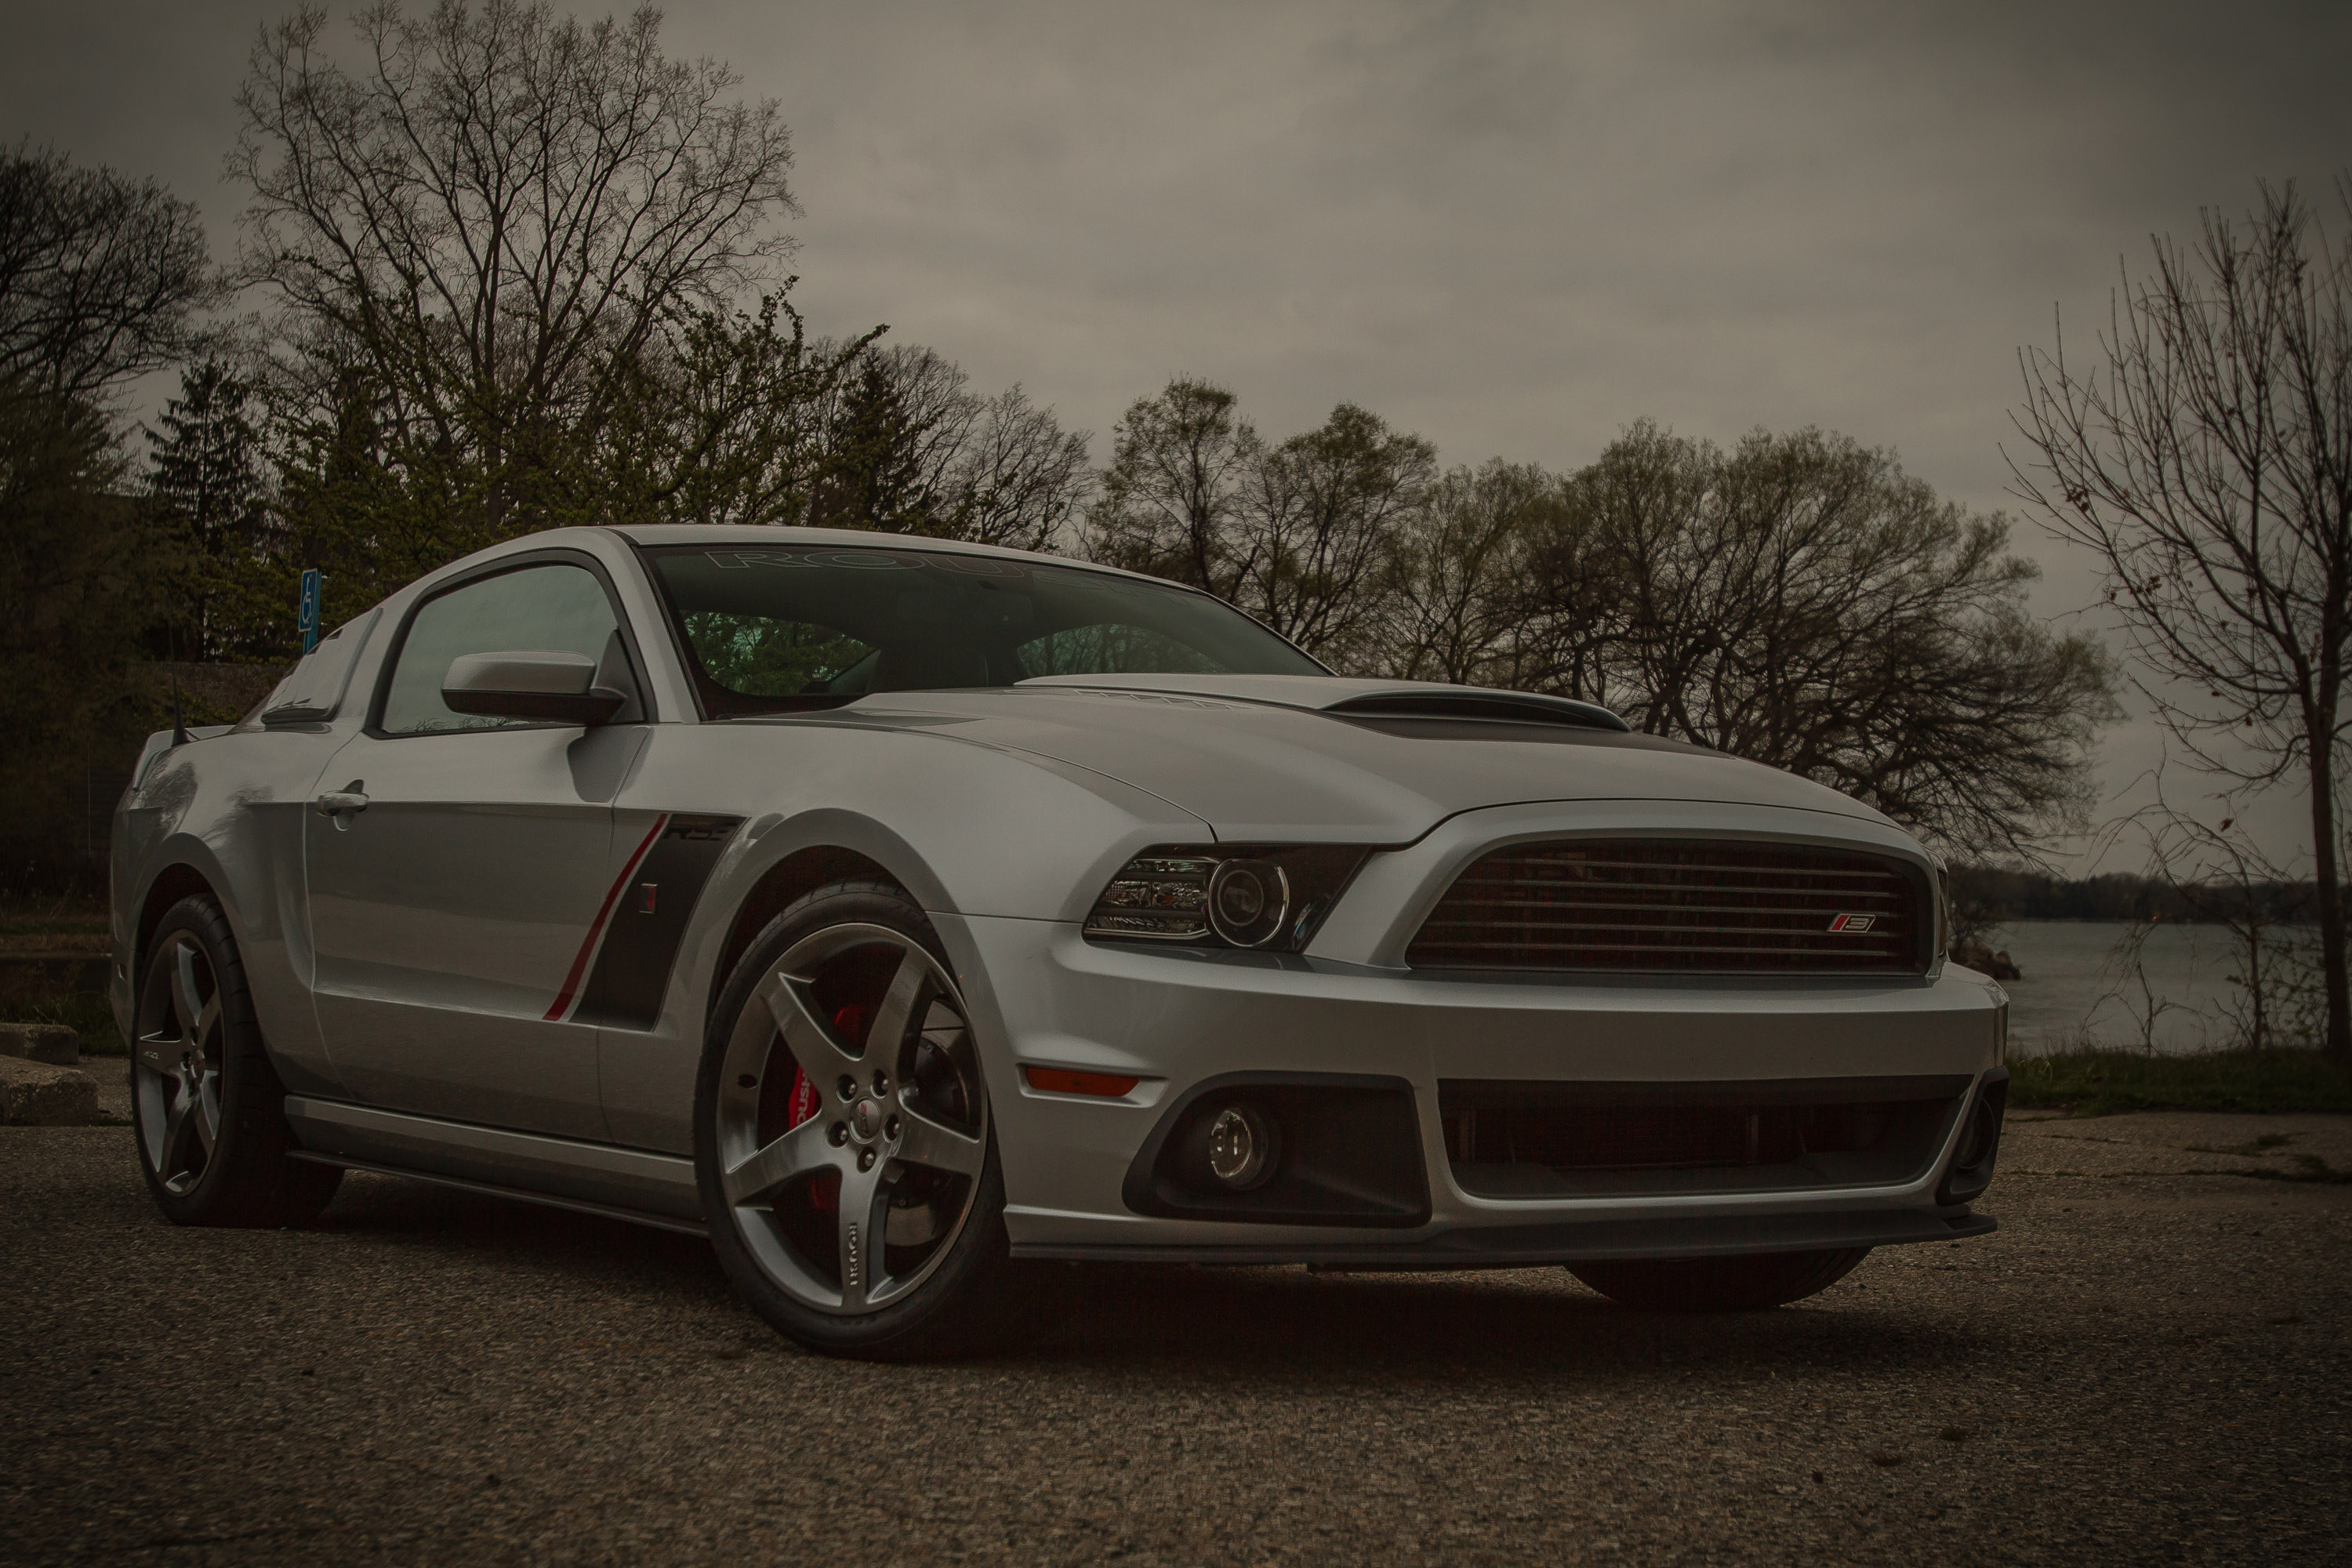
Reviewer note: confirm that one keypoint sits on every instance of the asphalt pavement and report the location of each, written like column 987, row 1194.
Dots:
column 2150, row 1363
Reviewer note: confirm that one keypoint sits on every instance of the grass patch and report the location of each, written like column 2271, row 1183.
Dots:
column 45, row 994
column 87, row 1015
column 69, row 915
column 2098, row 1083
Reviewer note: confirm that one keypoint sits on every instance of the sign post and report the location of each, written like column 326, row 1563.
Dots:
column 313, row 583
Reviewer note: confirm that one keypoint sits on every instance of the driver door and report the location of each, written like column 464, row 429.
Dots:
column 462, row 868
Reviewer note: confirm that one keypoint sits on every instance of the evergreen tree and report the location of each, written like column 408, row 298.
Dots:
column 204, row 474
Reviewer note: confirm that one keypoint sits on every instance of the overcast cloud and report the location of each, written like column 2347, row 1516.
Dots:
column 1513, row 228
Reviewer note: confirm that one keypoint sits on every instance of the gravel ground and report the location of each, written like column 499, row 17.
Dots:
column 2150, row 1362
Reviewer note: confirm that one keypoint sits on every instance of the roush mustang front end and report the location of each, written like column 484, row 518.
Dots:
column 1554, row 1032
column 1465, row 978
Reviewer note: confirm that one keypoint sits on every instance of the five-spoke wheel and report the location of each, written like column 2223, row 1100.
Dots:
column 176, row 1065
column 845, row 1123
column 208, row 1108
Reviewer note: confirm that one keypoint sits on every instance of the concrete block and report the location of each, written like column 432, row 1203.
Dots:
column 51, row 1043
column 35, row 1094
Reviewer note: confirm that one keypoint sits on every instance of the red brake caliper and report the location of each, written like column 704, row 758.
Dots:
column 805, row 1102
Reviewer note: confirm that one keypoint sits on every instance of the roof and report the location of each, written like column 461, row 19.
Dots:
column 752, row 536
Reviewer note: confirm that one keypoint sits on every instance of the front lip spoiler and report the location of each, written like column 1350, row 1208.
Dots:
column 1573, row 1241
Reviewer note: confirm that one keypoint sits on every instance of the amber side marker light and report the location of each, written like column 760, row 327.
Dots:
column 1062, row 1080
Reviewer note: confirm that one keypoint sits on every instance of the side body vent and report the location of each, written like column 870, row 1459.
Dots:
column 1683, row 907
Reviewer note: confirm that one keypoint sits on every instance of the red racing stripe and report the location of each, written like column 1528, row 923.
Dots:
column 588, row 947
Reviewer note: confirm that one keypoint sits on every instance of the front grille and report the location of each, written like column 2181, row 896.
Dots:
column 1514, row 1139
column 1681, row 906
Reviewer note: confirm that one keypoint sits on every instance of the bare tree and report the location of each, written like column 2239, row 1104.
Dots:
column 2205, row 456
column 496, row 214
column 1322, row 509
column 1454, row 605
column 909, row 448
column 1804, row 603
column 99, row 275
column 724, row 421
column 1020, row 477
column 1171, row 502
column 2225, row 878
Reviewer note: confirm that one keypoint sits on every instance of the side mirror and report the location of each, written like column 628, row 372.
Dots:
column 553, row 687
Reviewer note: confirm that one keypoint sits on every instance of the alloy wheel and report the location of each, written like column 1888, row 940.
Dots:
column 851, row 1122
column 176, row 1063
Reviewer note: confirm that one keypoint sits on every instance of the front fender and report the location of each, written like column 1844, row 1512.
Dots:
column 966, row 829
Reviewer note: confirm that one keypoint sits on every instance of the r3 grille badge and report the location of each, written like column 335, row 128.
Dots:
column 1854, row 924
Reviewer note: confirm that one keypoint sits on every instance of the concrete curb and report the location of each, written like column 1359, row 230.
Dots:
column 38, row 1094
column 51, row 1043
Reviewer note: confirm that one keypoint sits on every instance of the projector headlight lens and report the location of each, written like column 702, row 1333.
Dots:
column 1247, row 902
column 1261, row 896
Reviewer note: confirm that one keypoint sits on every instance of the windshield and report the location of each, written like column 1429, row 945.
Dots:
column 784, row 628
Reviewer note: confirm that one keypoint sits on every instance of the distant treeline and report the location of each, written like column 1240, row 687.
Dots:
column 581, row 319
column 1984, row 895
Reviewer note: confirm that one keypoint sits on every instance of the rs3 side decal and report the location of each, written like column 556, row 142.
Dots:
column 635, row 940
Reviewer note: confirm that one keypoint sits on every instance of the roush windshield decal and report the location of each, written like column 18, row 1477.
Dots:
column 867, row 560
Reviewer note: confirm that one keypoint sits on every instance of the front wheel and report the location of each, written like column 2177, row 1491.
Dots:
column 1719, row 1284
column 841, row 1135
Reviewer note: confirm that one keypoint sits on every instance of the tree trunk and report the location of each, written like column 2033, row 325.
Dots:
column 2330, row 888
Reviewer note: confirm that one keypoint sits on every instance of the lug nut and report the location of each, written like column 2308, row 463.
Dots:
column 881, row 1083
column 838, row 1132
column 848, row 1087
column 890, row 1129
column 865, row 1159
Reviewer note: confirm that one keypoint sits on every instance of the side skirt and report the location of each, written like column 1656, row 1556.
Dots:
column 656, row 1222
column 594, row 1178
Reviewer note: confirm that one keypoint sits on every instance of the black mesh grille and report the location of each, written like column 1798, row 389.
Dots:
column 1681, row 906
column 1533, row 1139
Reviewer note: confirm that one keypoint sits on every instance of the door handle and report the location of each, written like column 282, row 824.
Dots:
column 336, row 801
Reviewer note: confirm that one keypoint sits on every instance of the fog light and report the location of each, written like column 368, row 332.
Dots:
column 1242, row 1147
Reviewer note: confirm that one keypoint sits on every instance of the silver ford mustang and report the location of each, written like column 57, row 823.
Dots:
column 890, row 909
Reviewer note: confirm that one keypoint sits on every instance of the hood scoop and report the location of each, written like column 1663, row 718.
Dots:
column 1428, row 707
column 1479, row 707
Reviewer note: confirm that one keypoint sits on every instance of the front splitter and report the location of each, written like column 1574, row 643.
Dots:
column 1574, row 1241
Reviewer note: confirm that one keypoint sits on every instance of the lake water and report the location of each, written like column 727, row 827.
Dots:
column 2073, row 985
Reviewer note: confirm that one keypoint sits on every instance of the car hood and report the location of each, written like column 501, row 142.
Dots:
column 1264, row 758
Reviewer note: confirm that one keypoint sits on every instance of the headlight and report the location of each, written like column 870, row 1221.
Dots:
column 1225, row 895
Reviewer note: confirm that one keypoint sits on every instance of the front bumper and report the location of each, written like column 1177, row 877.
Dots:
column 1042, row 995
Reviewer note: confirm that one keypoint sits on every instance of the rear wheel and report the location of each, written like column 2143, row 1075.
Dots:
column 842, row 1135
column 1719, row 1284
column 209, row 1110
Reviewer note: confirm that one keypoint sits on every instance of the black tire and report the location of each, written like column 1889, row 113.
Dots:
column 773, row 1247
column 1719, row 1284
column 207, row 1108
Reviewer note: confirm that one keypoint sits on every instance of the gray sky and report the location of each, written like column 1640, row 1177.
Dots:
column 1513, row 228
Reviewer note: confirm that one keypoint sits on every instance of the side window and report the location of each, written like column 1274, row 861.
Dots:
column 552, row 608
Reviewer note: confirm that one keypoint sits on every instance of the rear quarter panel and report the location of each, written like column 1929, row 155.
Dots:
column 230, row 809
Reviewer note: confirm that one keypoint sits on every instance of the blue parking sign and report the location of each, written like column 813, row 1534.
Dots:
column 311, row 584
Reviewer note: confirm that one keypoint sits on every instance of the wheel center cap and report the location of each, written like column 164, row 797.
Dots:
column 866, row 1119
